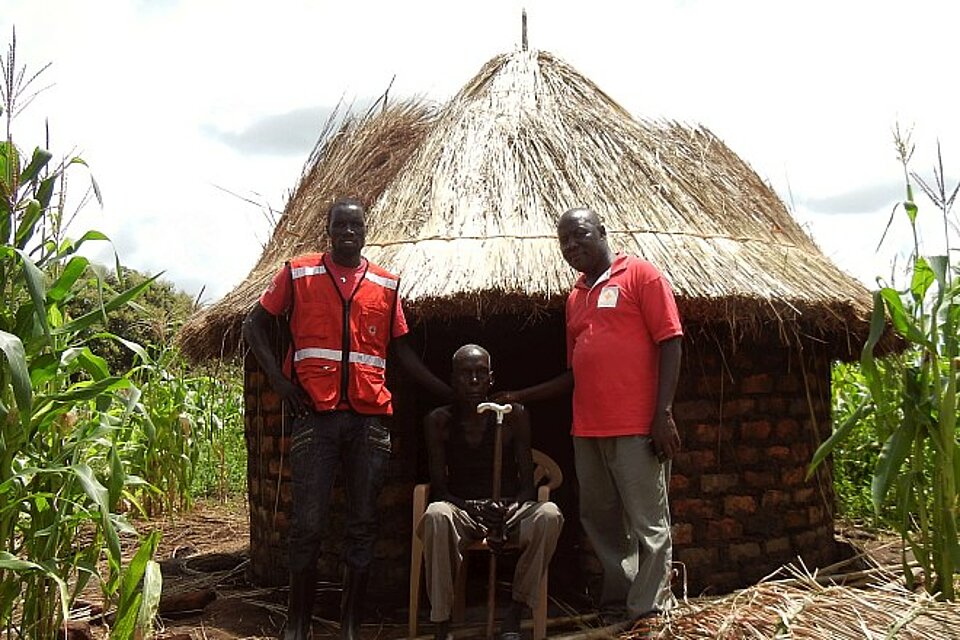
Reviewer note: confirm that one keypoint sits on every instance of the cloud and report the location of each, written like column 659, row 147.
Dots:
column 291, row 133
column 861, row 200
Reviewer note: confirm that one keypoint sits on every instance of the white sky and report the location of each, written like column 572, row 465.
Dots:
column 167, row 100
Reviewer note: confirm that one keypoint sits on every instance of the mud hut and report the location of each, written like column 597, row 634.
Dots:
column 464, row 202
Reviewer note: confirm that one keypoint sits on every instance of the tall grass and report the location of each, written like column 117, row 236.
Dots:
column 910, row 399
column 62, row 475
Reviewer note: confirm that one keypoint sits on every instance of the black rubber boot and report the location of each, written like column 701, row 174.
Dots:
column 351, row 607
column 303, row 586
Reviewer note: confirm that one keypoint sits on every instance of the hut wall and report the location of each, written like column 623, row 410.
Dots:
column 750, row 414
column 750, row 417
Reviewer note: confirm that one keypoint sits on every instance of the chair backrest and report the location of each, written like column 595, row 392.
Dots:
column 545, row 470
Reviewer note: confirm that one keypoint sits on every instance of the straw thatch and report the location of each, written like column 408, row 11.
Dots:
column 804, row 608
column 470, row 218
column 355, row 158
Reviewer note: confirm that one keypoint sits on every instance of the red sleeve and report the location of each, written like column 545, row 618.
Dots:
column 660, row 310
column 568, row 334
column 400, row 327
column 276, row 298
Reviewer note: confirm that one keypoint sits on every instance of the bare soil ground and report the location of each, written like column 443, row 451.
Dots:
column 203, row 556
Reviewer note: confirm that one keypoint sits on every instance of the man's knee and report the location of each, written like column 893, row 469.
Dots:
column 437, row 516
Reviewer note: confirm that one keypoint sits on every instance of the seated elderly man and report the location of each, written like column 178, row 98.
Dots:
column 460, row 444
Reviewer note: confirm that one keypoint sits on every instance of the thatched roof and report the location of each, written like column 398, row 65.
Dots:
column 469, row 220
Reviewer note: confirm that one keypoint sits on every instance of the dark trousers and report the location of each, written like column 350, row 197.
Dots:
column 323, row 443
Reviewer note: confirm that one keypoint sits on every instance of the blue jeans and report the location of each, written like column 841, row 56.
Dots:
column 322, row 442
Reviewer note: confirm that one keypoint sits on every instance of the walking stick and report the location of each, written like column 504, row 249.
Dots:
column 501, row 410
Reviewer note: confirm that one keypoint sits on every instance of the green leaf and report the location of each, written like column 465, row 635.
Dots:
column 29, row 220
column 99, row 495
column 45, row 191
column 923, row 277
column 9, row 168
column 902, row 322
column 87, row 390
column 88, row 319
column 152, row 590
column 71, row 273
column 839, row 434
column 39, row 160
column 16, row 360
column 894, row 452
column 911, row 210
column 35, row 285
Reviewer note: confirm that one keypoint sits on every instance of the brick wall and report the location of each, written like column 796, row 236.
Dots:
column 741, row 505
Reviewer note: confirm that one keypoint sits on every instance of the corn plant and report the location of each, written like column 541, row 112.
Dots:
column 62, row 479
column 911, row 396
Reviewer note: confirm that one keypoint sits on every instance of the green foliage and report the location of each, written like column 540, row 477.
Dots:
column 909, row 401
column 63, row 411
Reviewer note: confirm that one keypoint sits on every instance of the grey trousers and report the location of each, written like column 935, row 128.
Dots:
column 446, row 530
column 625, row 513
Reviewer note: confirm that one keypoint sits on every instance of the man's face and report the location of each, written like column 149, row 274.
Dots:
column 472, row 377
column 347, row 230
column 583, row 241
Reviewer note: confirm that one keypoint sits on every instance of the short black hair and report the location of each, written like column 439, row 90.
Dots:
column 344, row 203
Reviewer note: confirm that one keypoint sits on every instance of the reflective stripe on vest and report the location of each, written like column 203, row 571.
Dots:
column 336, row 356
column 380, row 280
column 302, row 272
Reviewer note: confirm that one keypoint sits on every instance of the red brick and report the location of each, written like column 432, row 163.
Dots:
column 696, row 410
column 705, row 433
column 760, row 383
column 739, row 505
column 679, row 483
column 700, row 460
column 270, row 402
column 802, row 496
column 718, row 482
column 815, row 513
column 774, row 498
column 744, row 552
column 747, row 455
column 691, row 508
column 761, row 480
column 682, row 534
column 787, row 429
column 738, row 407
column 755, row 430
column 794, row 476
column 783, row 454
column 779, row 545
column 697, row 558
column 790, row 383
column 724, row 529
column 796, row 518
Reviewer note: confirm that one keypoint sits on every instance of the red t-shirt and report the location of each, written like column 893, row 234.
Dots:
column 276, row 299
column 613, row 329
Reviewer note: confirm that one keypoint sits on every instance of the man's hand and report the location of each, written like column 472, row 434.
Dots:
column 664, row 435
column 294, row 397
column 487, row 512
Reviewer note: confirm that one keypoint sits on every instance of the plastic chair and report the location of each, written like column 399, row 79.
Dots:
column 547, row 477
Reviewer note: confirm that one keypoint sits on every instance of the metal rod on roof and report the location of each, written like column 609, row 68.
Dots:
column 523, row 29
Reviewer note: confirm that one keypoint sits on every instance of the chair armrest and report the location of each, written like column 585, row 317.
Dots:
column 421, row 493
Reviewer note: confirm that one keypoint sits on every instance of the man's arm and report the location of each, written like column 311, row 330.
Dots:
column 413, row 365
column 666, row 439
column 436, row 425
column 552, row 388
column 256, row 333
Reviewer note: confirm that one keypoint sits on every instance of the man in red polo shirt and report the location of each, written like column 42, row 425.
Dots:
column 623, row 353
column 344, row 315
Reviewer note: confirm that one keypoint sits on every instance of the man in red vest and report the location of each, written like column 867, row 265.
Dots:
column 344, row 315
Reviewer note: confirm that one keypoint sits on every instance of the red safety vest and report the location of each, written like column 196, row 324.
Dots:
column 340, row 346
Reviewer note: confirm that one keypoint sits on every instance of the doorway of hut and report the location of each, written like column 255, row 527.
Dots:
column 523, row 351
